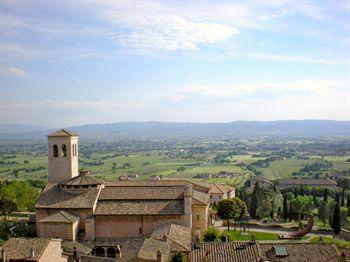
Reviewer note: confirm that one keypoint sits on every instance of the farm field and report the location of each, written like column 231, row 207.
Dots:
column 207, row 162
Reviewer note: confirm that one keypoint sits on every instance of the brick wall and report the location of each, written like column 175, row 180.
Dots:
column 65, row 231
column 200, row 216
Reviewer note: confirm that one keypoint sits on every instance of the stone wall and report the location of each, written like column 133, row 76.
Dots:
column 130, row 226
column 200, row 220
column 65, row 231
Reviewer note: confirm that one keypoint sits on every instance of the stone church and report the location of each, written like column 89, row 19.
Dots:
column 76, row 206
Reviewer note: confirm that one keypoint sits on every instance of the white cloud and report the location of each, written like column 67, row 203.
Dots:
column 167, row 32
column 14, row 71
column 264, row 90
column 281, row 14
column 296, row 59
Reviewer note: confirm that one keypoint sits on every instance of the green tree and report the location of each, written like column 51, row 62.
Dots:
column 348, row 204
column 323, row 212
column 177, row 257
column 325, row 194
column 255, row 200
column 265, row 207
column 211, row 234
column 285, row 208
column 336, row 218
column 231, row 208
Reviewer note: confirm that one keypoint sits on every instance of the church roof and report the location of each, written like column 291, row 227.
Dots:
column 60, row 217
column 83, row 180
column 140, row 207
column 141, row 193
column 54, row 197
column 200, row 198
column 62, row 133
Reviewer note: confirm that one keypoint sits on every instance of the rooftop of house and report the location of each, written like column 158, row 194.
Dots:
column 60, row 217
column 200, row 198
column 307, row 181
column 62, row 133
column 54, row 197
column 23, row 248
column 225, row 252
column 298, row 251
column 214, row 188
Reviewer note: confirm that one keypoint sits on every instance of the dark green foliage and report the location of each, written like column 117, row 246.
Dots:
column 348, row 204
column 291, row 212
column 211, row 234
column 325, row 194
column 343, row 197
column 336, row 218
column 285, row 208
column 231, row 208
column 323, row 211
column 177, row 257
column 255, row 200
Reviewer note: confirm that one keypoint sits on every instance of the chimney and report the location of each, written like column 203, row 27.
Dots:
column 3, row 255
column 159, row 256
column 84, row 172
column 32, row 253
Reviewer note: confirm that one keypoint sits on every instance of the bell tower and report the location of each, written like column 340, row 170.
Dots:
column 63, row 155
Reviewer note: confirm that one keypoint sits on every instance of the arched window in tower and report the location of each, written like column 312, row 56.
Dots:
column 64, row 151
column 55, row 151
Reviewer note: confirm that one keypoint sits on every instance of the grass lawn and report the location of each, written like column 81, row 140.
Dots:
column 258, row 235
column 338, row 242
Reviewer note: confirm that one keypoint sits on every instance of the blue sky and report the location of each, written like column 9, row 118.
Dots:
column 76, row 62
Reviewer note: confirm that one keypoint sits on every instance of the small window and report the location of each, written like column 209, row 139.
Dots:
column 197, row 217
column 64, row 151
column 55, row 151
column 140, row 231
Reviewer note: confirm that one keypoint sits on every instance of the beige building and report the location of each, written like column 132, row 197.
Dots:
column 32, row 249
column 87, row 209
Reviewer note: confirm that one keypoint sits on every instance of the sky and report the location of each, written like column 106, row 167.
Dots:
column 65, row 63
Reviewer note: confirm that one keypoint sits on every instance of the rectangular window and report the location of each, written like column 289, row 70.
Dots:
column 197, row 217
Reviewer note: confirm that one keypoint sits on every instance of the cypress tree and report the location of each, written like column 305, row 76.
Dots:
column 343, row 197
column 301, row 190
column 348, row 204
column 336, row 218
column 325, row 194
column 337, row 197
column 285, row 208
column 291, row 212
column 255, row 200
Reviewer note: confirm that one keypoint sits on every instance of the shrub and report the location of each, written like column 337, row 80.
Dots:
column 211, row 234
column 226, row 235
column 177, row 257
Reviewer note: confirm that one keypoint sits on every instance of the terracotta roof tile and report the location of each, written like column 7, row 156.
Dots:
column 62, row 132
column 150, row 246
column 20, row 248
column 60, row 217
column 54, row 197
column 83, row 180
column 299, row 251
column 140, row 207
column 225, row 252
column 200, row 198
column 140, row 193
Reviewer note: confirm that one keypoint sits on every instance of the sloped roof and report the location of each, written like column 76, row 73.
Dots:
column 20, row 248
column 83, row 180
column 299, row 252
column 141, row 192
column 140, row 207
column 60, row 217
column 54, row 197
column 179, row 235
column 220, row 189
column 150, row 247
column 200, row 198
column 62, row 133
column 225, row 252
column 143, row 183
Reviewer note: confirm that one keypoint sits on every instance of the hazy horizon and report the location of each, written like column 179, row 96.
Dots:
column 73, row 63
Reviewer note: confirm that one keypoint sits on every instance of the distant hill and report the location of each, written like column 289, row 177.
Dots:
column 154, row 130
